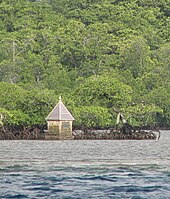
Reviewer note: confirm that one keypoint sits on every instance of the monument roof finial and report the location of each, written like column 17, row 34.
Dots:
column 60, row 98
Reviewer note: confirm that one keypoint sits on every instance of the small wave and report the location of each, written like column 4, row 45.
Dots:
column 167, row 174
column 17, row 196
column 131, row 188
column 40, row 188
column 57, row 190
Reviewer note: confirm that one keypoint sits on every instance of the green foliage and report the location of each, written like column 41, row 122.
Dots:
column 161, row 97
column 92, row 116
column 135, row 57
column 17, row 118
column 37, row 104
column 13, row 117
column 104, row 91
column 25, row 107
column 4, row 116
column 97, row 53
column 142, row 114
column 11, row 96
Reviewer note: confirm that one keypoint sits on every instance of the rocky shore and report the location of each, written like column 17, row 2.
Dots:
column 115, row 135
column 35, row 133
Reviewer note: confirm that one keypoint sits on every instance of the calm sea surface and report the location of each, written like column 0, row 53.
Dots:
column 86, row 169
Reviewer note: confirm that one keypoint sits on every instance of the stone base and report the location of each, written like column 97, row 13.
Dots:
column 51, row 137
column 57, row 136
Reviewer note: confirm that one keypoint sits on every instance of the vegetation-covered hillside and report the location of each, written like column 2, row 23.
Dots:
column 100, row 55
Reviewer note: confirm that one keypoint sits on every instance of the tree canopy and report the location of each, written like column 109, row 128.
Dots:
column 97, row 54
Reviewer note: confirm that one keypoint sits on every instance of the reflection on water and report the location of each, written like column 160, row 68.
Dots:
column 85, row 169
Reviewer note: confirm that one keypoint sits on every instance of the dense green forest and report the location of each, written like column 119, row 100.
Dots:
column 99, row 55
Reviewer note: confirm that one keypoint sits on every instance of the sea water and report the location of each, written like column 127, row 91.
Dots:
column 136, row 169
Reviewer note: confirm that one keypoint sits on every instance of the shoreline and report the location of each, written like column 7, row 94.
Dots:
column 109, row 134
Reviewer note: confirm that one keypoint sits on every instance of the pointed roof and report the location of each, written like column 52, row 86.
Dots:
column 59, row 113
